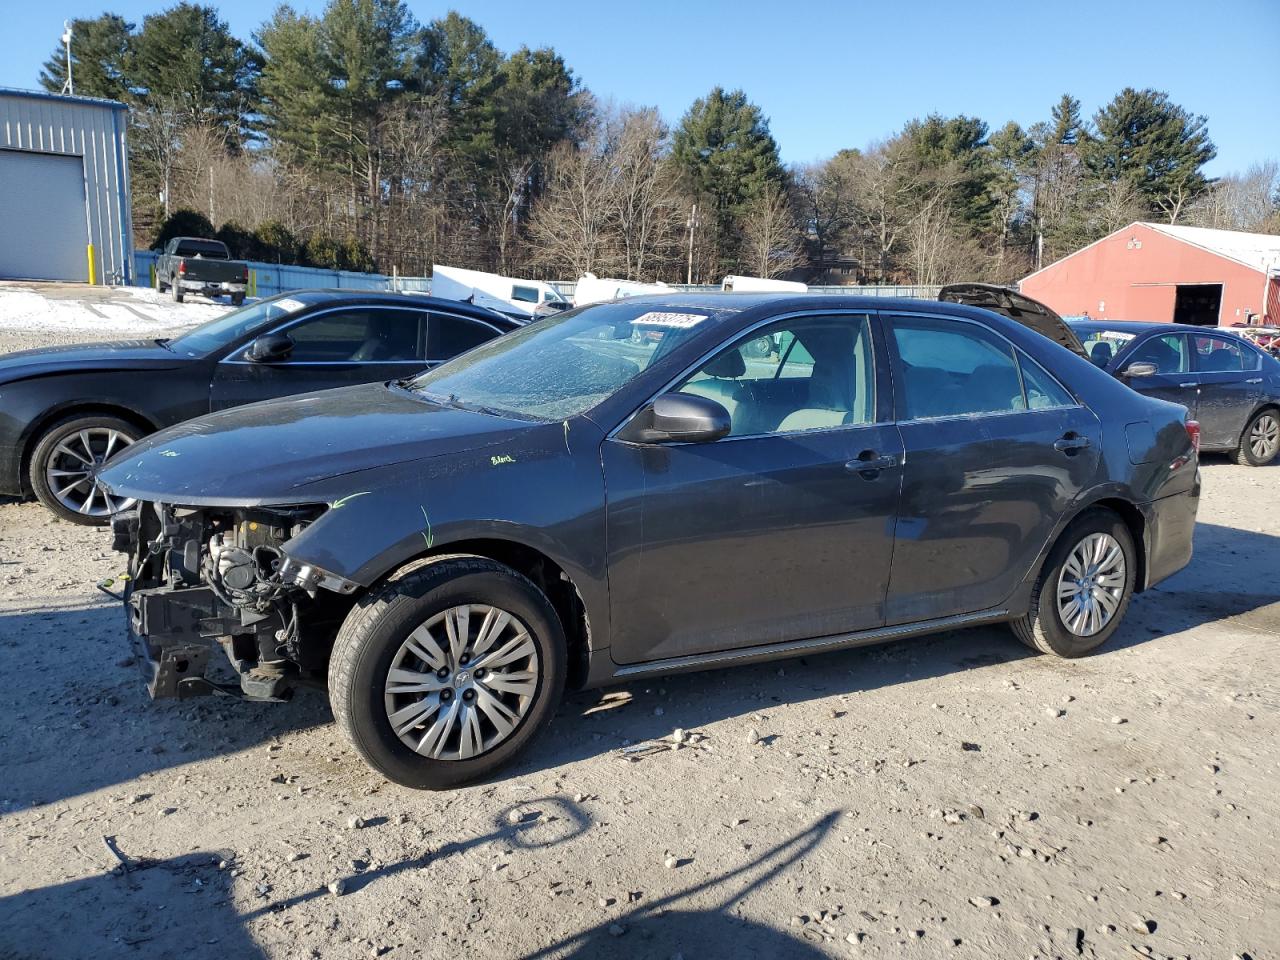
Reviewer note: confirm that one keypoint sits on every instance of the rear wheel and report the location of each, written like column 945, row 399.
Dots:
column 445, row 674
column 237, row 299
column 159, row 284
column 1260, row 441
column 65, row 463
column 175, row 291
column 1084, row 588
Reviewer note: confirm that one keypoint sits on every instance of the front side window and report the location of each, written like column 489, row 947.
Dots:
column 368, row 335
column 805, row 373
column 952, row 369
column 1168, row 353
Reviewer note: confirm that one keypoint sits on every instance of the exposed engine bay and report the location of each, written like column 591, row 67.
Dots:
column 200, row 578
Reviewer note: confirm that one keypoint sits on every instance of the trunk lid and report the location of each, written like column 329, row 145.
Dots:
column 1016, row 306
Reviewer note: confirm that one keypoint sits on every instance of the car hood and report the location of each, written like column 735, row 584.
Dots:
column 267, row 452
column 1017, row 307
column 87, row 357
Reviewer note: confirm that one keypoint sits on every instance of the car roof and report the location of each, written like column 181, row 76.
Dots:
column 411, row 299
column 1136, row 326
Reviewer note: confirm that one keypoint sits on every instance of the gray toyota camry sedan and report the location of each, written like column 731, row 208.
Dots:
column 640, row 487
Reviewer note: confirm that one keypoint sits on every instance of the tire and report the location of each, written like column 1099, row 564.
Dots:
column 1043, row 627
column 237, row 299
column 62, row 450
column 175, row 291
column 159, row 284
column 1260, row 441
column 373, row 639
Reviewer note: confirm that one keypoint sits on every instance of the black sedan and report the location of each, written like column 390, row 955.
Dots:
column 1226, row 382
column 65, row 410
column 573, row 505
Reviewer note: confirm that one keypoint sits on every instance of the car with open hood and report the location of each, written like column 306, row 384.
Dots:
column 64, row 411
column 571, row 505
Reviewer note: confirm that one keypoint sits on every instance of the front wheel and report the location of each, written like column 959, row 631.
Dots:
column 65, row 463
column 175, row 290
column 1084, row 588
column 1260, row 441
column 446, row 673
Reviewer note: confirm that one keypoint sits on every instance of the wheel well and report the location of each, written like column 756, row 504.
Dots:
column 81, row 410
column 548, row 576
column 1137, row 524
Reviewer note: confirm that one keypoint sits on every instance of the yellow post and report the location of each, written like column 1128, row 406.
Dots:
column 253, row 283
column 93, row 273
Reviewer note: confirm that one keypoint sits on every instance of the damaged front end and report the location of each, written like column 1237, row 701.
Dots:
column 201, row 578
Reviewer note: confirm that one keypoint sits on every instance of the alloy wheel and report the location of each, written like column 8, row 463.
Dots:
column 462, row 682
column 1091, row 585
column 1264, row 438
column 71, row 471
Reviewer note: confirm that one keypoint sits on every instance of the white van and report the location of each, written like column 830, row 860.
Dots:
column 733, row 284
column 522, row 299
column 593, row 289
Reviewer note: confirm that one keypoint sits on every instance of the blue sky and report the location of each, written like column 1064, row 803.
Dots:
column 845, row 74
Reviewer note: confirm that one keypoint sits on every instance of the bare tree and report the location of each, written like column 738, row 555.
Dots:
column 1242, row 201
column 771, row 238
column 825, row 196
column 887, row 183
column 569, row 223
column 157, row 133
column 647, row 212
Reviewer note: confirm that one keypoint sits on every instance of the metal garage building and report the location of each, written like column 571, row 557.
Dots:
column 1154, row 271
column 64, row 189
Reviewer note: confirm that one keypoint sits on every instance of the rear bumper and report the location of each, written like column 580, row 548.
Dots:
column 1171, row 524
column 212, row 287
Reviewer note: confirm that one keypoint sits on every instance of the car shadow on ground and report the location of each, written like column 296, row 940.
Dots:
column 58, row 715
column 185, row 906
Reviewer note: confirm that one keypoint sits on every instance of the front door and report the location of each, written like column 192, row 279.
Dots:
column 1230, row 376
column 332, row 348
column 1175, row 378
column 782, row 530
column 995, row 452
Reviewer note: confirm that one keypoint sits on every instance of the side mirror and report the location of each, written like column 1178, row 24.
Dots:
column 678, row 418
column 1141, row 369
column 269, row 348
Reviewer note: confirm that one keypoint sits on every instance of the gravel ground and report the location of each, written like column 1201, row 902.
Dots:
column 953, row 796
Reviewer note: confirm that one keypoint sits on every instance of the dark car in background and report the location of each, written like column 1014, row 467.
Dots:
column 65, row 410
column 1226, row 382
column 572, row 505
column 195, row 265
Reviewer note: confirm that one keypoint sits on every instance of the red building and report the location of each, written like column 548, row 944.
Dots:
column 1153, row 271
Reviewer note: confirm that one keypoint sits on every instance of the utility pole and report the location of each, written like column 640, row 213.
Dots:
column 693, row 225
column 68, row 89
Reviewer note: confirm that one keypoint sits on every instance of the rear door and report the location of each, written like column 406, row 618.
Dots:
column 996, row 450
column 1230, row 378
column 332, row 348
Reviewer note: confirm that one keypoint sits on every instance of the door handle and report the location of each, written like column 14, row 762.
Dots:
column 869, row 463
column 1191, row 383
column 1254, row 380
column 1070, row 444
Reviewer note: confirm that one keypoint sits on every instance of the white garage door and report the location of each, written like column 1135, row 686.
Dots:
column 43, row 233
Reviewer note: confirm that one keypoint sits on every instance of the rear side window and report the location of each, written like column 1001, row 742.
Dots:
column 1043, row 391
column 1219, row 355
column 524, row 294
column 952, row 369
column 1168, row 353
column 448, row 336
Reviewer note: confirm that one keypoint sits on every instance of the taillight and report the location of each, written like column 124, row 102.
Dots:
column 1193, row 433
column 182, row 266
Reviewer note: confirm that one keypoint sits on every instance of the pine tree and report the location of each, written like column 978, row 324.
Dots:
column 99, row 59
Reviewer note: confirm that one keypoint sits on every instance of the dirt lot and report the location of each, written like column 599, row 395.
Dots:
column 953, row 796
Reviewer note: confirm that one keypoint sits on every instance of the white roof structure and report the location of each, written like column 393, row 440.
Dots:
column 1261, row 251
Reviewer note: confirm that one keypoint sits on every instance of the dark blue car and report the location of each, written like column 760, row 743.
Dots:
column 1226, row 383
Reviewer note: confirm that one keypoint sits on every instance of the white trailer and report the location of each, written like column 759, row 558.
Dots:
column 732, row 284
column 593, row 289
column 522, row 299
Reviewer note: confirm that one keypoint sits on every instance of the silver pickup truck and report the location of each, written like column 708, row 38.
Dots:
column 196, row 265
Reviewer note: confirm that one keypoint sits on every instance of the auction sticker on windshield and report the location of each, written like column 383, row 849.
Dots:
column 674, row 321
column 288, row 304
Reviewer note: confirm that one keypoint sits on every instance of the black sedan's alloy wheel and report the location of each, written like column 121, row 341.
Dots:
column 1260, row 441
column 1083, row 589
column 65, row 463
column 447, row 672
